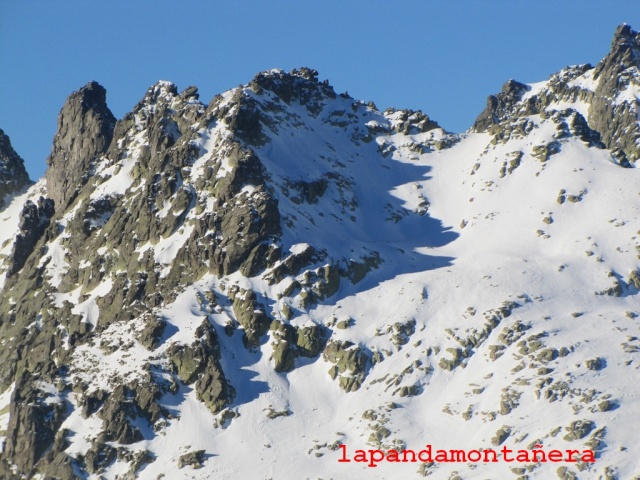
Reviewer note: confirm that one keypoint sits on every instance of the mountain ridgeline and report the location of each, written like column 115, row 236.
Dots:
column 609, row 115
column 191, row 283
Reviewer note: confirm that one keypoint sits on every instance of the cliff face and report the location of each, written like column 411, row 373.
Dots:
column 134, row 213
column 85, row 129
column 605, row 92
column 615, row 108
column 13, row 176
column 288, row 259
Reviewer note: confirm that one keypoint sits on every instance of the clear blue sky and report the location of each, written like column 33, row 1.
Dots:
column 443, row 57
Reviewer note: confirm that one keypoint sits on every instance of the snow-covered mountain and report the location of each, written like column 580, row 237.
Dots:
column 264, row 285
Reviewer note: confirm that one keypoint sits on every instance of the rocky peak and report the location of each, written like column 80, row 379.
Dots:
column 624, row 53
column 625, row 36
column 607, row 94
column 163, row 93
column 299, row 84
column 284, row 227
column 162, row 88
column 501, row 105
column 614, row 110
column 85, row 130
column 13, row 176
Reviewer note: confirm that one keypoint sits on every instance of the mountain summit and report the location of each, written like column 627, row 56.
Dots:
column 261, row 285
column 606, row 95
column 85, row 130
column 13, row 176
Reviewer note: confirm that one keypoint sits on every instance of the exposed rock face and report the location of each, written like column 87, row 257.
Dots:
column 32, row 426
column 202, row 259
column 617, row 121
column 13, row 176
column 34, row 219
column 192, row 459
column 127, row 405
column 500, row 106
column 301, row 85
column 612, row 119
column 250, row 316
column 293, row 342
column 200, row 363
column 350, row 363
column 412, row 122
column 173, row 171
column 85, row 129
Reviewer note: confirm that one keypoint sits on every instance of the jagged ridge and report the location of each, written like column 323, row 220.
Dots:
column 606, row 89
column 283, row 254
column 13, row 176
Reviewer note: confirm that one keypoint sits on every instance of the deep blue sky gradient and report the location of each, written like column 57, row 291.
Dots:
column 443, row 57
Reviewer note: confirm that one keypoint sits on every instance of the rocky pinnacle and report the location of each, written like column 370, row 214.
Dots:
column 13, row 176
column 617, row 121
column 85, row 129
column 612, row 111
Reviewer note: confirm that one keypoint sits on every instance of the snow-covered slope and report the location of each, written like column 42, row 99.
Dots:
column 262, row 286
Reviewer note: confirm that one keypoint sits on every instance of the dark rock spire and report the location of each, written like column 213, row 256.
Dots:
column 617, row 121
column 13, row 176
column 85, row 129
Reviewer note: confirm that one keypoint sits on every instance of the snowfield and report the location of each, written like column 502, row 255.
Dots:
column 487, row 295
